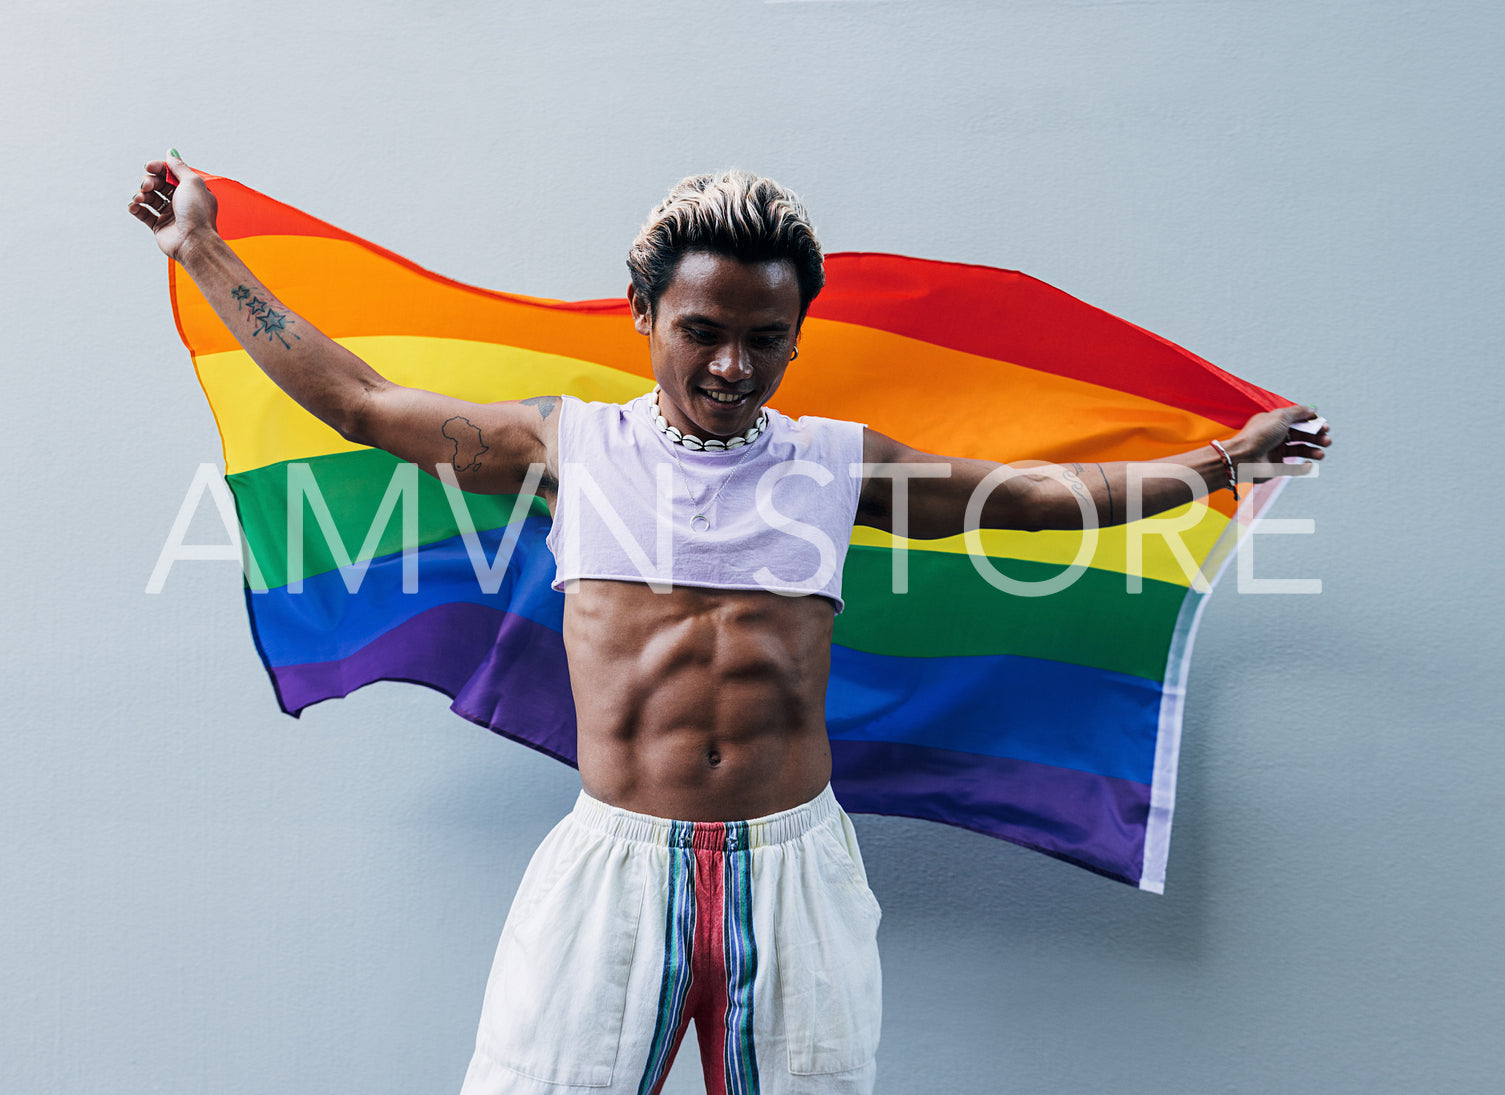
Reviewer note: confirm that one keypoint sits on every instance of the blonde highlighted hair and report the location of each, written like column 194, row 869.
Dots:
column 735, row 213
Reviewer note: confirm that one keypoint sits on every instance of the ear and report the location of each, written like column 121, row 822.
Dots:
column 642, row 318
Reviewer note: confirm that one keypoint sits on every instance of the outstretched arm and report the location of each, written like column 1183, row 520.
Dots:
column 1062, row 496
column 490, row 445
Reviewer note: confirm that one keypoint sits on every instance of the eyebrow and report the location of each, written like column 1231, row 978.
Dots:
column 698, row 320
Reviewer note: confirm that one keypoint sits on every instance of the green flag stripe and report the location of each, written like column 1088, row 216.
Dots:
column 352, row 484
column 951, row 611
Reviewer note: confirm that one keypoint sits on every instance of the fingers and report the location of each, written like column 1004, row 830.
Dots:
column 1275, row 468
column 158, row 199
column 1307, row 433
column 151, row 181
column 142, row 214
column 1297, row 456
column 161, row 181
column 170, row 165
column 1300, row 452
column 164, row 171
column 177, row 167
column 152, row 202
column 1307, row 436
column 1305, row 442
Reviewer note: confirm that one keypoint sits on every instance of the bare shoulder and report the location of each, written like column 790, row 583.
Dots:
column 490, row 447
column 882, row 457
column 546, row 430
column 879, row 448
column 531, row 427
column 545, row 405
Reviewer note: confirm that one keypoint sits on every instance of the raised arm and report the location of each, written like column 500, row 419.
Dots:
column 490, row 445
column 938, row 489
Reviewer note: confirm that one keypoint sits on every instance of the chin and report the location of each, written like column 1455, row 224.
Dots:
column 718, row 417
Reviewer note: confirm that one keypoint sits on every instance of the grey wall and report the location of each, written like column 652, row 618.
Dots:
column 199, row 894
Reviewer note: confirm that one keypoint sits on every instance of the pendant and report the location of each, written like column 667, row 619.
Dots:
column 700, row 523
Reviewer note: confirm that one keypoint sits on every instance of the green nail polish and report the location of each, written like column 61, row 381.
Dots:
column 174, row 152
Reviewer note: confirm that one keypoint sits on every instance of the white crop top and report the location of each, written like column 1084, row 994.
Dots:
column 780, row 511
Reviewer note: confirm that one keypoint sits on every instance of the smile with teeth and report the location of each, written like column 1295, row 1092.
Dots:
column 725, row 397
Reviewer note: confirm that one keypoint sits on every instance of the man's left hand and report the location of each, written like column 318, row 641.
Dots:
column 1271, row 437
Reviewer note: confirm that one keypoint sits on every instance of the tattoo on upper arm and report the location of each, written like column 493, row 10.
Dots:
column 270, row 321
column 1109, row 489
column 469, row 445
column 546, row 404
column 1073, row 477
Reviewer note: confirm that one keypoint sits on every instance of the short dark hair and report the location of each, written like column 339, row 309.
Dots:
column 735, row 213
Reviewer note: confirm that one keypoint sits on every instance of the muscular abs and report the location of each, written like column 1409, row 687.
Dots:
column 699, row 704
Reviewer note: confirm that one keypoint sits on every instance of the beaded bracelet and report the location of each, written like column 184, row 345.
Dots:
column 1227, row 467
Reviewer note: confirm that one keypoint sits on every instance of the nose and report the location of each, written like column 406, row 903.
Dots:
column 731, row 363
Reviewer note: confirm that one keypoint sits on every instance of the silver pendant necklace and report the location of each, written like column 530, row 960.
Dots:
column 699, row 522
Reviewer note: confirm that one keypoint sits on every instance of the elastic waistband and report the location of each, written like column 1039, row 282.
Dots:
column 758, row 832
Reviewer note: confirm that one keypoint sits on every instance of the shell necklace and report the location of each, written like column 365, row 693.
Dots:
column 695, row 444
column 699, row 522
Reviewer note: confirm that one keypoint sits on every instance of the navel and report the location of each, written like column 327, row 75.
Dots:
column 713, row 757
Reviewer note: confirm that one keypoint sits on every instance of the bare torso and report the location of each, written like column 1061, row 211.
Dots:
column 699, row 704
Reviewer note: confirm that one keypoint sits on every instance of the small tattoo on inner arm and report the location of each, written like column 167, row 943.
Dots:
column 1072, row 476
column 270, row 321
column 546, row 404
column 469, row 445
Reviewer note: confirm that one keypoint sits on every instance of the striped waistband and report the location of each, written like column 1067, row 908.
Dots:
column 756, row 832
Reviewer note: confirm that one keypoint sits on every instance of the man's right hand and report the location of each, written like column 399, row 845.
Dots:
column 491, row 447
column 173, row 213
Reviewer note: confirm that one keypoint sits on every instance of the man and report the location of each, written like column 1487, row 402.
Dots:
column 706, row 871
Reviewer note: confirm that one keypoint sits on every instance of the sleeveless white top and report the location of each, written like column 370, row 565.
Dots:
column 780, row 510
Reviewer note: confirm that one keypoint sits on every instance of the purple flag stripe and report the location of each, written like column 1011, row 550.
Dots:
column 1017, row 800
column 525, row 673
column 503, row 671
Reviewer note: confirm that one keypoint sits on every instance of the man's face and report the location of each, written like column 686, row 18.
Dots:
column 720, row 340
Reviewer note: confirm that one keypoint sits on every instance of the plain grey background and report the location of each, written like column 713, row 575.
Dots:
column 199, row 894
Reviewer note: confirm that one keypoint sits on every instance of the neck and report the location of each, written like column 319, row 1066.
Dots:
column 694, row 442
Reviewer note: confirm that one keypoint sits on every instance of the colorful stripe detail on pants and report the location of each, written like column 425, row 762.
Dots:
column 710, row 958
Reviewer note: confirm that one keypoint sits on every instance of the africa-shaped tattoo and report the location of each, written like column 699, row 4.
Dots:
column 469, row 445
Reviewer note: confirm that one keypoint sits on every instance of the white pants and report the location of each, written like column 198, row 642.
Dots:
column 627, row 926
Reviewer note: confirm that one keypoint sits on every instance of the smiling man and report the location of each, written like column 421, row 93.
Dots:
column 706, row 872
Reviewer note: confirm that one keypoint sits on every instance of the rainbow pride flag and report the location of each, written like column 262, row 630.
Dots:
column 1051, row 721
